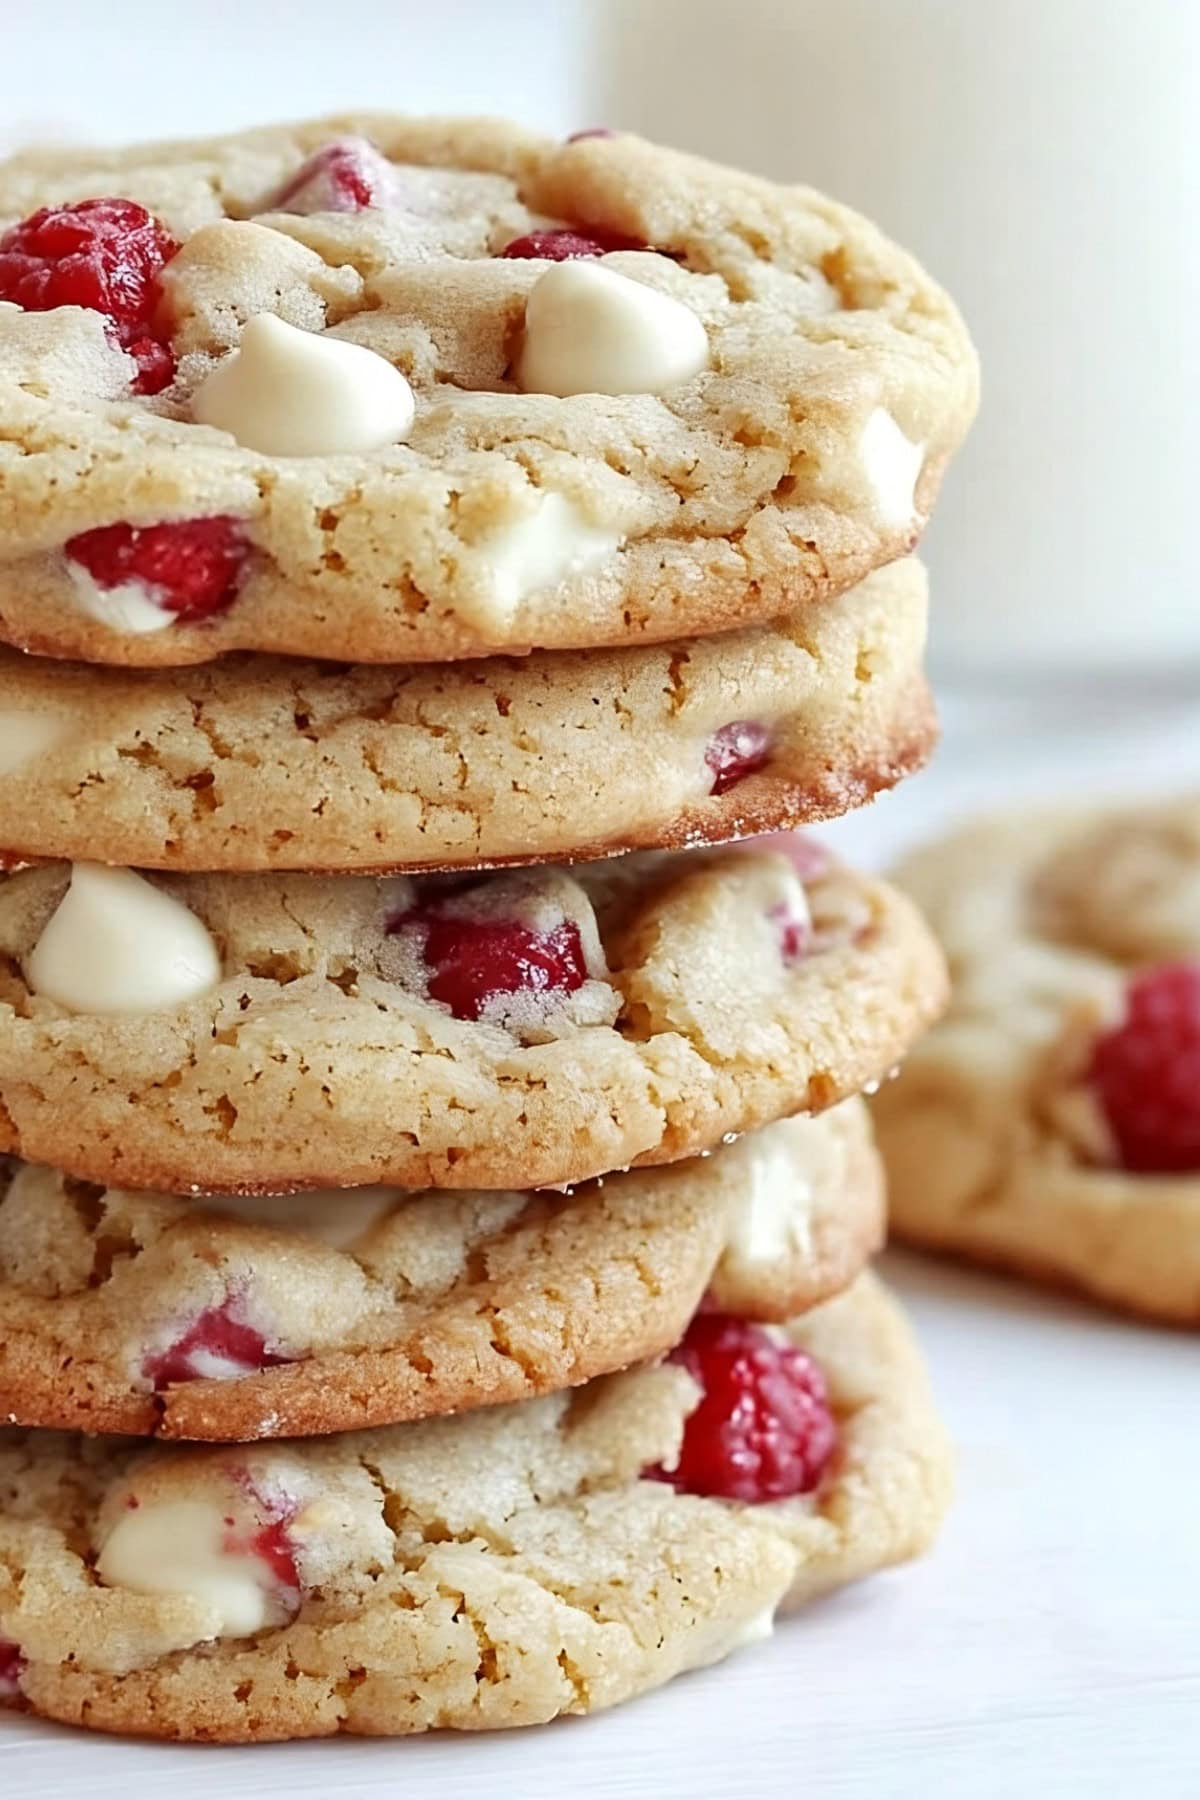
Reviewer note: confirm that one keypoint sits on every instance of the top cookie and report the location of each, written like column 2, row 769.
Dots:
column 460, row 427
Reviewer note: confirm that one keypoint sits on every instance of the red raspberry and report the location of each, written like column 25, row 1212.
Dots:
column 563, row 242
column 11, row 1665
column 736, row 751
column 213, row 1333
column 193, row 568
column 105, row 255
column 472, row 961
column 268, row 1537
column 764, row 1428
column 156, row 365
column 1146, row 1072
column 272, row 1544
column 347, row 175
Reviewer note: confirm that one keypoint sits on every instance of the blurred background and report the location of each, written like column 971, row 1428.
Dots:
column 1041, row 156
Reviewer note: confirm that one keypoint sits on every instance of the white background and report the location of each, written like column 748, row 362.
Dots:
column 154, row 68
column 1050, row 1646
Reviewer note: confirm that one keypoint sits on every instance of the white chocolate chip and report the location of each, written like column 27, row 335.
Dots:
column 893, row 466
column 755, row 1630
column 186, row 1547
column 589, row 330
column 130, row 607
column 117, row 944
column 24, row 735
column 777, row 890
column 286, row 392
column 542, row 548
column 775, row 1220
column 335, row 1216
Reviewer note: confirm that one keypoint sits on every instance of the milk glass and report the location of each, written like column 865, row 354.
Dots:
column 1043, row 158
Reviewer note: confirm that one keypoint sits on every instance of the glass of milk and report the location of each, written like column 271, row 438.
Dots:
column 1042, row 157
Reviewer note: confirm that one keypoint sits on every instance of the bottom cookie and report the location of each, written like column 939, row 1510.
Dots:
column 499, row 1568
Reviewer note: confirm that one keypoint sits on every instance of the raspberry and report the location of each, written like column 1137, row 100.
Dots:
column 764, row 1428
column 347, row 175
column 266, row 1537
column 1146, row 1072
column 105, row 255
column 471, row 961
column 214, row 1344
column 155, row 362
column 563, row 242
column 192, row 568
column 736, row 751
column 273, row 1546
column 11, row 1665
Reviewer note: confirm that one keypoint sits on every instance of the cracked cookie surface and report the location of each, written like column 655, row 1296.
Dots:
column 517, row 1030
column 286, row 1316
column 839, row 381
column 254, row 763
column 495, row 1569
column 995, row 1136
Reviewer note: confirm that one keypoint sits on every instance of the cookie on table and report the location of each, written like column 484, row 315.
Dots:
column 382, row 390
column 229, row 1033
column 495, row 1569
column 1050, row 1124
column 282, row 1316
column 256, row 763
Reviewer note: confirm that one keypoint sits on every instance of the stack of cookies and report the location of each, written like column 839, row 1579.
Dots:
column 427, row 549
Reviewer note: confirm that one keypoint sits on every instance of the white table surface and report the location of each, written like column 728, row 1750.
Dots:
column 1049, row 1647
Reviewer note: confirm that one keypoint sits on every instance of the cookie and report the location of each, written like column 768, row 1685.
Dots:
column 254, row 763
column 388, row 390
column 495, row 1569
column 268, row 1032
column 1049, row 1124
column 285, row 1316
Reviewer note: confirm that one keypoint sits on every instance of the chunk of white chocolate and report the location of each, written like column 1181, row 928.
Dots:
column 543, row 547
column 287, row 392
column 191, row 1547
column 589, row 330
column 893, row 465
column 117, row 944
column 130, row 607
column 754, row 1630
column 775, row 1219
column 25, row 735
